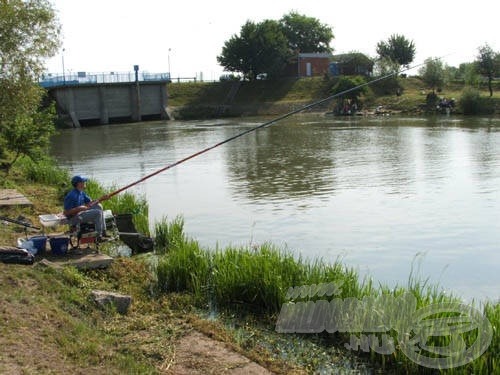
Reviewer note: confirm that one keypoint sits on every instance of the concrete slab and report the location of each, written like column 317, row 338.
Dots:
column 88, row 259
column 11, row 197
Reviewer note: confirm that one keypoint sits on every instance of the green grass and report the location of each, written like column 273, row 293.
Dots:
column 169, row 234
column 201, row 100
column 63, row 318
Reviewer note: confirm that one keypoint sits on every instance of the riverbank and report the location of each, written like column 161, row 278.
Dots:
column 233, row 295
column 258, row 98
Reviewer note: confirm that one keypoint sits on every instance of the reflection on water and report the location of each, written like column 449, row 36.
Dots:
column 281, row 164
column 374, row 191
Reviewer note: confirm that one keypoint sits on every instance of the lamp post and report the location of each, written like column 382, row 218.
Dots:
column 64, row 75
column 169, row 76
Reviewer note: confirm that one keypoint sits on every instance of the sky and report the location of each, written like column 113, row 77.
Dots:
column 186, row 36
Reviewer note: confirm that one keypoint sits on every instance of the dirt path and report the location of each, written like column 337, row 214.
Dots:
column 199, row 354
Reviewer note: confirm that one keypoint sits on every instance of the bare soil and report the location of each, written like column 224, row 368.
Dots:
column 196, row 353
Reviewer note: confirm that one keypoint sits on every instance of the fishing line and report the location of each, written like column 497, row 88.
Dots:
column 266, row 124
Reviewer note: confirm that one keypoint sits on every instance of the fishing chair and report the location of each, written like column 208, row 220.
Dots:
column 83, row 233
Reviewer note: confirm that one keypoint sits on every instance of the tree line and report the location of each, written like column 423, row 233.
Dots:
column 266, row 48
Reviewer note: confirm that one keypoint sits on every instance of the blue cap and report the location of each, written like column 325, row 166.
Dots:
column 77, row 179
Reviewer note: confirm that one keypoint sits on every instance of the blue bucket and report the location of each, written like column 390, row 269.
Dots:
column 39, row 242
column 59, row 245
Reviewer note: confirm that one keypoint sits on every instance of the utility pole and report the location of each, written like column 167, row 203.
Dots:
column 169, row 76
column 138, row 94
column 64, row 74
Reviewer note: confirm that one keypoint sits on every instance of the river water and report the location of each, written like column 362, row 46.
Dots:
column 385, row 195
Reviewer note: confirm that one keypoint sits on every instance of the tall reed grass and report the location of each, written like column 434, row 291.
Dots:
column 169, row 234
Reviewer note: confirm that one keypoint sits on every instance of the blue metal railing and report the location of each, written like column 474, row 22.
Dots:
column 82, row 78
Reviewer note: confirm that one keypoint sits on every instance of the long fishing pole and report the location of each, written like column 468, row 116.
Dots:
column 268, row 123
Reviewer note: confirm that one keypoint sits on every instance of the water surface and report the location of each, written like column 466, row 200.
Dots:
column 384, row 194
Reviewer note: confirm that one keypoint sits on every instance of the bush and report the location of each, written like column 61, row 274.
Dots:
column 470, row 101
column 346, row 83
column 431, row 101
column 388, row 86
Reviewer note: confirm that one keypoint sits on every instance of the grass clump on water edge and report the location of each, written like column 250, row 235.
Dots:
column 254, row 278
column 169, row 234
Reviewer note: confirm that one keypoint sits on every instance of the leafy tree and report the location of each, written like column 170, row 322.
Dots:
column 398, row 49
column 432, row 73
column 306, row 34
column 469, row 73
column 266, row 47
column 390, row 85
column 261, row 48
column 451, row 73
column 488, row 62
column 29, row 33
column 354, row 63
column 350, row 84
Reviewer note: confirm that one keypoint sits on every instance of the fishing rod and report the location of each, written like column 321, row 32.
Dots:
column 266, row 124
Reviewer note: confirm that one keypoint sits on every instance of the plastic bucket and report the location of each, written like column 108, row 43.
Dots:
column 59, row 245
column 39, row 242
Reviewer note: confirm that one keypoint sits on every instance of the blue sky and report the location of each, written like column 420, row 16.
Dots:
column 114, row 35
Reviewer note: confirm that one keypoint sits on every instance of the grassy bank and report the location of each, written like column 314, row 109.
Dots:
column 245, row 289
column 257, row 281
column 206, row 100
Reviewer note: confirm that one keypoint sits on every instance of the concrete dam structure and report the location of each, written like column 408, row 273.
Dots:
column 88, row 100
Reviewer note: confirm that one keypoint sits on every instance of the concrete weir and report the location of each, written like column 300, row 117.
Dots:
column 103, row 103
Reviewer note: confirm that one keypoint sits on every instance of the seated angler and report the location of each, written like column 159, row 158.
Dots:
column 80, row 208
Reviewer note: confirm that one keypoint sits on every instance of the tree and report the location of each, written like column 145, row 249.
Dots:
column 468, row 72
column 306, row 34
column 268, row 46
column 353, row 63
column 388, row 69
column 29, row 33
column 488, row 62
column 352, row 84
column 260, row 48
column 432, row 73
column 398, row 49
column 451, row 73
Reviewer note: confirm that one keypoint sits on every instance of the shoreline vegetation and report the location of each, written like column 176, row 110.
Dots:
column 407, row 96
column 235, row 295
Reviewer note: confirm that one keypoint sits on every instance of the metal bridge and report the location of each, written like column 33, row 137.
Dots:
column 51, row 80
